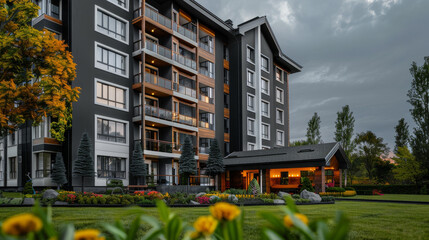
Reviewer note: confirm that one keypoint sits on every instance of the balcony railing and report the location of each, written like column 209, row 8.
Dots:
column 206, row 125
column 174, row 180
column 206, row 99
column 185, row 32
column 161, row 50
column 206, row 47
column 165, row 114
column 158, row 112
column 137, row 12
column 43, row 173
column 158, row 146
column 188, row 62
column 206, row 72
column 154, row 15
column 185, row 90
column 111, row 174
column 156, row 80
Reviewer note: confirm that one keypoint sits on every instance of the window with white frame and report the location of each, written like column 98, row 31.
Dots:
column 279, row 75
column 110, row 95
column 111, row 60
column 280, row 116
column 111, row 167
column 265, row 131
column 13, row 165
column 120, row 3
column 280, row 137
column 265, row 86
column 250, row 54
column 279, row 95
column 265, row 108
column 265, row 63
column 250, row 78
column 111, row 25
column 250, row 126
column 250, row 146
column 250, row 102
column 111, row 131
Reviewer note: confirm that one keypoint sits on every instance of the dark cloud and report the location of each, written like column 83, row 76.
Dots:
column 354, row 52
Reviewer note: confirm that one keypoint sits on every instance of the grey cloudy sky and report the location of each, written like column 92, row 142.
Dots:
column 355, row 52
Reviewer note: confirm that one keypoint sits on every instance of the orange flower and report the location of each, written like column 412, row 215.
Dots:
column 224, row 211
column 22, row 224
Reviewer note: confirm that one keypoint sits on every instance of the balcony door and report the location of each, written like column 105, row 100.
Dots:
column 152, row 138
column 152, row 43
column 152, row 74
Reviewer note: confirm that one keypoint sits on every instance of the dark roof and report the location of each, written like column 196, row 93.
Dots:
column 311, row 155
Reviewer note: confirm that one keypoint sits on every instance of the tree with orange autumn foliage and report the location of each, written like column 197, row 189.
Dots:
column 36, row 72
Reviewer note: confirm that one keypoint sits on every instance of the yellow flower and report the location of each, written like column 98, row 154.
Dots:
column 205, row 225
column 88, row 234
column 288, row 220
column 224, row 211
column 22, row 224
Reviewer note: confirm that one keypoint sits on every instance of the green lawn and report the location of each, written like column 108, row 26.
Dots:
column 369, row 220
column 398, row 197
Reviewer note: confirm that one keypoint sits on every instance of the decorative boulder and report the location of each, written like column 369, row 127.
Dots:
column 50, row 194
column 313, row 197
column 195, row 203
column 200, row 194
column 283, row 194
column 278, row 201
column 232, row 198
column 28, row 201
column 61, row 203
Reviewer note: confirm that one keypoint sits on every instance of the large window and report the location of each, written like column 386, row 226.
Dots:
column 12, row 168
column 250, row 126
column 111, row 60
column 250, row 102
column 112, row 131
column 207, row 120
column 51, row 8
column 44, row 163
column 120, row 3
column 265, row 108
column 280, row 135
column 279, row 116
column 279, row 95
column 111, row 167
column 265, row 131
column 250, row 54
column 279, row 75
column 111, row 25
column 265, row 86
column 111, row 96
column 265, row 63
column 250, row 78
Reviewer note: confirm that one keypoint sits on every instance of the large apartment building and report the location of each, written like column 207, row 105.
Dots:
column 155, row 72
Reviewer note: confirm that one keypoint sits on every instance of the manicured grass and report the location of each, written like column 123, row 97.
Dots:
column 369, row 220
column 398, row 197
column 12, row 194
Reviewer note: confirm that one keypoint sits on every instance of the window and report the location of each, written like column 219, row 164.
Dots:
column 207, row 94
column 250, row 146
column 279, row 75
column 226, row 128
column 265, row 131
column 111, row 25
column 265, row 108
column 280, row 136
column 225, row 100
column 55, row 9
column 250, row 54
column 111, row 167
column 250, row 126
column 250, row 102
column 226, row 148
column 329, row 176
column 205, row 145
column 279, row 95
column 43, row 129
column 265, row 86
column 12, row 139
column 207, row 68
column 265, row 63
column 12, row 168
column 284, row 178
column 250, row 78
column 207, row 120
column 111, row 96
column 44, row 163
column 226, row 76
column 120, row 3
column 111, row 60
column 279, row 116
column 112, row 131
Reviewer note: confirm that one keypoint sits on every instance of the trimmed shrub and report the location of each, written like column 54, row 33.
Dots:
column 28, row 188
column 388, row 189
column 253, row 187
column 306, row 185
column 268, row 200
column 335, row 189
column 349, row 188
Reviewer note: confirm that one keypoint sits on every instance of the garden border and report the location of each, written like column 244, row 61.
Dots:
column 381, row 201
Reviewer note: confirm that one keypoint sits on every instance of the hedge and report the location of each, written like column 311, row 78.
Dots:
column 392, row 189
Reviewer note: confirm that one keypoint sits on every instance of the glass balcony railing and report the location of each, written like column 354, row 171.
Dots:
column 161, row 50
column 206, row 125
column 157, row 80
column 206, row 99
column 158, row 146
column 158, row 112
column 188, row 62
column 185, row 32
column 206, row 47
column 185, row 90
column 154, row 15
column 165, row 114
column 206, row 72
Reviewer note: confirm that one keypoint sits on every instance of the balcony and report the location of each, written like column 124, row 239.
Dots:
column 188, row 62
column 185, row 90
column 184, row 31
column 206, row 99
column 154, row 15
column 153, row 47
column 166, row 115
column 206, row 72
column 206, row 47
column 153, row 79
column 158, row 146
column 111, row 174
column 206, row 125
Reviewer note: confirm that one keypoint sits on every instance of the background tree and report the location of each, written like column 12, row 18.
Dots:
column 84, row 164
column 58, row 174
column 383, row 171
column 36, row 72
column 313, row 130
column 344, row 130
column 138, row 168
column 187, row 162
column 408, row 169
column 402, row 134
column 355, row 167
column 215, row 163
column 370, row 149
column 298, row 143
column 419, row 100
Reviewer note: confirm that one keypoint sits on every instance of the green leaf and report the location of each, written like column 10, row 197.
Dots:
column 269, row 234
column 116, row 232
column 150, row 220
column 164, row 213
column 67, row 232
column 276, row 223
column 173, row 228
column 132, row 232
column 290, row 203
column 154, row 233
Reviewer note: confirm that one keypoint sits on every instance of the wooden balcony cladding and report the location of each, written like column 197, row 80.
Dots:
column 207, row 30
column 206, row 106
column 226, row 64
column 157, row 89
column 52, row 19
column 225, row 88
column 205, row 133
column 40, row 141
column 209, row 56
column 206, row 80
column 226, row 137
column 158, row 25
column 226, row 112
column 137, row 87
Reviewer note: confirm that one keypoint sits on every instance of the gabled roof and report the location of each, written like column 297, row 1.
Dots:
column 299, row 156
column 271, row 38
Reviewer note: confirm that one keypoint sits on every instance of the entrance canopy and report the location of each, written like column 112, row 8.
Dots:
column 288, row 157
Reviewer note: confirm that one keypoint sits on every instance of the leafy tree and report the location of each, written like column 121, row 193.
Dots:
column 370, row 149
column 58, row 175
column 355, row 167
column 313, row 130
column 306, row 185
column 36, row 72
column 344, row 130
column 187, row 162
column 383, row 171
column 84, row 164
column 419, row 100
column 138, row 168
column 298, row 143
column 215, row 163
column 408, row 169
column 402, row 134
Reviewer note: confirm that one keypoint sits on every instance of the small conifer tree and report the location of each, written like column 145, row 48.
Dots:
column 187, row 162
column 84, row 164
column 306, row 185
column 137, row 167
column 58, row 174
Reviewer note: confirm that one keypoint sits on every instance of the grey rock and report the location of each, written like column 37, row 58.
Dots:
column 50, row 194
column 283, row 194
column 61, row 203
column 195, row 203
column 278, row 201
column 313, row 197
column 200, row 194
column 28, row 201
column 232, row 198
